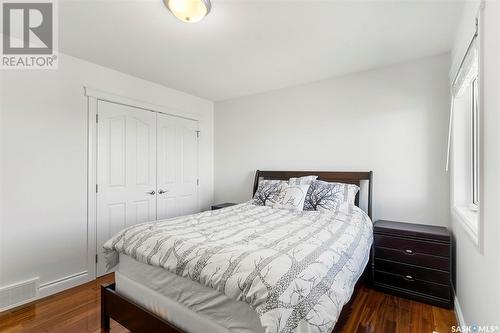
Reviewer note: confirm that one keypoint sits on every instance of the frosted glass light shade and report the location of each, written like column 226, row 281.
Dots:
column 189, row 11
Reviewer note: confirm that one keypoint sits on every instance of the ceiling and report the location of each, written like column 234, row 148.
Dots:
column 246, row 47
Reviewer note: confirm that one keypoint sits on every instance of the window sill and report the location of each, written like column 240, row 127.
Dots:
column 469, row 219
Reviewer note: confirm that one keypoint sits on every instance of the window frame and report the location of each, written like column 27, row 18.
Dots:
column 475, row 172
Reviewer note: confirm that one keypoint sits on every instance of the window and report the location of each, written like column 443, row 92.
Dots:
column 465, row 142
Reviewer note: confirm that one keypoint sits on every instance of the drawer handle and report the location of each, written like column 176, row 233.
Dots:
column 408, row 278
column 408, row 251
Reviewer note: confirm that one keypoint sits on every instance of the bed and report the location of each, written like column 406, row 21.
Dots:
column 245, row 268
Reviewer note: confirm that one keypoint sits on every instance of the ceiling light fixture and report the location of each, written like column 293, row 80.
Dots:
column 189, row 11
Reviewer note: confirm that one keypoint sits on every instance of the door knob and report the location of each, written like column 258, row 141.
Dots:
column 152, row 192
column 162, row 191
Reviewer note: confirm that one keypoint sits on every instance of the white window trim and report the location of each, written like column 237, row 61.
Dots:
column 470, row 216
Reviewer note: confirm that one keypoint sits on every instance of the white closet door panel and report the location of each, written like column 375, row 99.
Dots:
column 189, row 160
column 116, row 217
column 168, row 166
column 177, row 166
column 142, row 212
column 188, row 195
column 116, row 150
column 143, row 162
column 126, row 170
column 167, row 206
column 168, row 152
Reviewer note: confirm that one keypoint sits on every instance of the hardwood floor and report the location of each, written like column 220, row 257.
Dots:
column 77, row 311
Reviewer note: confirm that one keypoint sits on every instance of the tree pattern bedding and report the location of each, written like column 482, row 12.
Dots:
column 296, row 269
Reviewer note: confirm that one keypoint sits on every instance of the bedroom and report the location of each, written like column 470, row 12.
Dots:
column 267, row 166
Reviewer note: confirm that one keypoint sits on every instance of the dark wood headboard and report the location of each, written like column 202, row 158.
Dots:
column 347, row 177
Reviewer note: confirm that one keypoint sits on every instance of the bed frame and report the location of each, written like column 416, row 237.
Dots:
column 140, row 320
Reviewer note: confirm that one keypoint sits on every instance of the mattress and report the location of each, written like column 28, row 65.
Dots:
column 189, row 305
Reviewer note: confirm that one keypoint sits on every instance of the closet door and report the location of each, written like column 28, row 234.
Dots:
column 177, row 162
column 126, row 170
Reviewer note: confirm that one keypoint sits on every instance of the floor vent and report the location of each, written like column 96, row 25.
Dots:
column 17, row 294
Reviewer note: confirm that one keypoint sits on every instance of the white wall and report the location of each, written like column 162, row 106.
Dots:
column 478, row 289
column 44, row 164
column 392, row 121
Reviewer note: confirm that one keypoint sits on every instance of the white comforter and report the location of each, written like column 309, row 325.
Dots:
column 296, row 269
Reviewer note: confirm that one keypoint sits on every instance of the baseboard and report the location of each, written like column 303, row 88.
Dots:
column 459, row 314
column 64, row 283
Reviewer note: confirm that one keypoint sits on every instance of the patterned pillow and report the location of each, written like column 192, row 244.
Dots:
column 306, row 180
column 267, row 192
column 292, row 197
column 324, row 196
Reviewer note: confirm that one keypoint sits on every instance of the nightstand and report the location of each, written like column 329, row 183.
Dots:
column 413, row 261
column 223, row 205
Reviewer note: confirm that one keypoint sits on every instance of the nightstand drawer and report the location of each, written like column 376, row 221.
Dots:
column 412, row 247
column 402, row 282
column 418, row 259
column 413, row 272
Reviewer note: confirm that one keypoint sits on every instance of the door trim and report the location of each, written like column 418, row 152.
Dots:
column 109, row 97
column 91, row 187
column 92, row 97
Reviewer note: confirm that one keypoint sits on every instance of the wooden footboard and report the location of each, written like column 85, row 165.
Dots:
column 130, row 315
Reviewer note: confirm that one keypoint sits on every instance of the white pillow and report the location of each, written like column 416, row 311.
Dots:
column 306, row 180
column 291, row 197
